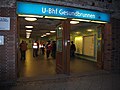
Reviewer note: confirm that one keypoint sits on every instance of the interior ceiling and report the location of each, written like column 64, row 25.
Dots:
column 41, row 26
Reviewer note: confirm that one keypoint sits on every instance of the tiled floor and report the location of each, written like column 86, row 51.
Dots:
column 39, row 66
column 36, row 66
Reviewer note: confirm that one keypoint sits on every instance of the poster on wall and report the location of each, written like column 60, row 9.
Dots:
column 1, row 40
column 79, row 44
column 4, row 23
column 88, row 48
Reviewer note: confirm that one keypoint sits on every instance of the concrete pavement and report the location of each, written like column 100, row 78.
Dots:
column 100, row 80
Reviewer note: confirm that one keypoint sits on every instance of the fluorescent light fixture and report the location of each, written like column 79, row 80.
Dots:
column 74, row 22
column 55, row 17
column 98, row 22
column 28, row 33
column 27, row 36
column 52, row 31
column 29, row 26
column 77, row 32
column 44, row 35
column 31, row 19
column 21, row 15
column 28, row 30
column 82, row 20
column 47, row 33
column 60, row 28
column 89, row 30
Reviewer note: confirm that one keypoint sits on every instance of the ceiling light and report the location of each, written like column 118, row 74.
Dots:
column 31, row 19
column 74, row 22
column 29, row 26
column 60, row 28
column 30, row 16
column 77, row 32
column 52, row 31
column 82, row 20
column 28, row 30
column 44, row 35
column 28, row 33
column 27, row 36
column 89, row 30
column 98, row 22
column 47, row 33
column 55, row 17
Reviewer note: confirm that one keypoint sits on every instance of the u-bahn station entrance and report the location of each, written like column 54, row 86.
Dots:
column 60, row 25
column 89, row 30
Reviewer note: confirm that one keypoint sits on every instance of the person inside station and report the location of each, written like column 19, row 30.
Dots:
column 72, row 49
column 42, row 48
column 48, row 49
column 53, row 54
column 35, row 48
column 23, row 48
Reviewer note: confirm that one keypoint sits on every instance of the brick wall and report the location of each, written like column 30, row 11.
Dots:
column 107, row 47
column 115, row 45
column 111, row 52
column 8, row 50
column 7, row 3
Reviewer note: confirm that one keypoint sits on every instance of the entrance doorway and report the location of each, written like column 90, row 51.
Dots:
column 83, row 35
column 88, row 47
column 43, row 30
column 87, row 38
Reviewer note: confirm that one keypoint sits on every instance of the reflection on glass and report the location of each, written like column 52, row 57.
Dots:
column 59, row 31
column 59, row 45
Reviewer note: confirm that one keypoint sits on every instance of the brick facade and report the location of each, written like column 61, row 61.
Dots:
column 115, row 45
column 8, row 52
column 111, row 52
column 107, row 47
